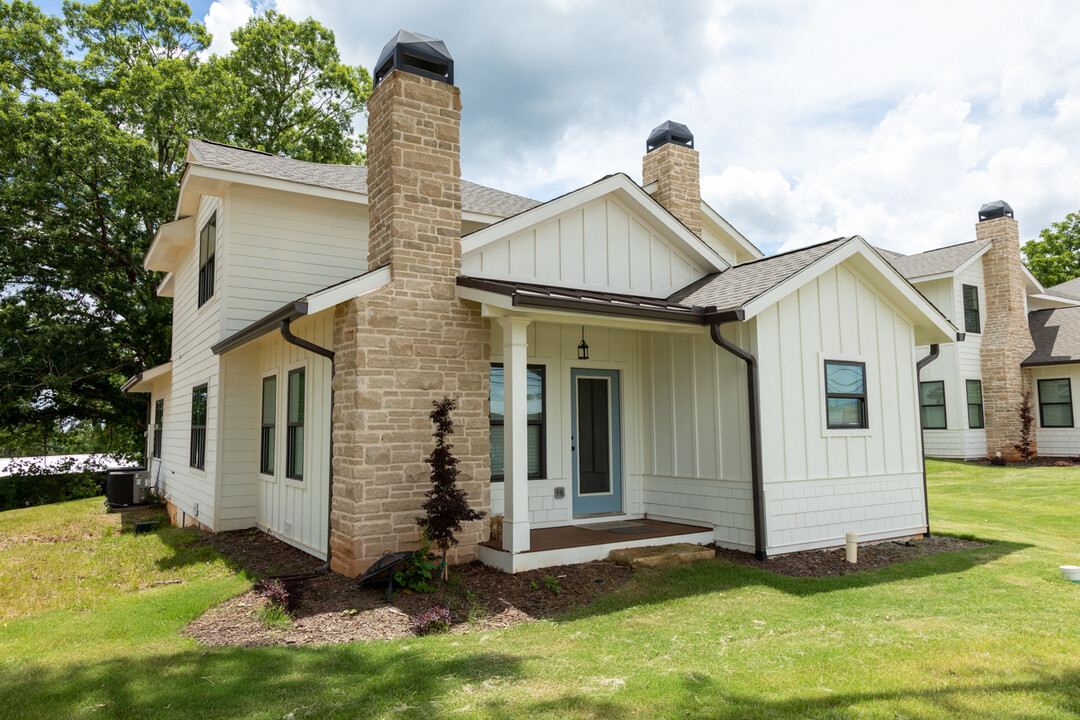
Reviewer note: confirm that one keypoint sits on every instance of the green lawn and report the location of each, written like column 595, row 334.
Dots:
column 990, row 632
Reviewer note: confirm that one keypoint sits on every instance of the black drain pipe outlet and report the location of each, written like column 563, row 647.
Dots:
column 286, row 333
column 922, row 433
column 754, row 412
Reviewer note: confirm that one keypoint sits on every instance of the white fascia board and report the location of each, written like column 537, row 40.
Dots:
column 931, row 278
column 169, row 238
column 730, row 230
column 165, row 287
column 144, row 381
column 1033, row 281
column 343, row 292
column 625, row 190
column 931, row 327
column 1045, row 301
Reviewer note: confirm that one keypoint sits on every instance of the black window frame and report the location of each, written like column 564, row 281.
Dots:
column 197, row 450
column 923, row 405
column 159, row 421
column 862, row 397
column 1042, row 419
column 206, row 260
column 541, row 473
column 972, row 323
column 290, row 426
column 970, row 405
column 268, row 430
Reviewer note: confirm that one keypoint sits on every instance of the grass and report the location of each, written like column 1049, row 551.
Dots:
column 988, row 632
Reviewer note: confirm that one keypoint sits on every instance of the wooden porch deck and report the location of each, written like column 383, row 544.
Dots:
column 575, row 536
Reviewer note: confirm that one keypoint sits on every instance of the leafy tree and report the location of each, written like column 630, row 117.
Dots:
column 1055, row 256
column 96, row 108
column 447, row 505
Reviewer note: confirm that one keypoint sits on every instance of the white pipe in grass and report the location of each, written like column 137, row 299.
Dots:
column 852, row 542
column 1070, row 573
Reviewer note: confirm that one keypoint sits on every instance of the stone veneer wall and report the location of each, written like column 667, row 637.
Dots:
column 1006, row 338
column 678, row 176
column 402, row 347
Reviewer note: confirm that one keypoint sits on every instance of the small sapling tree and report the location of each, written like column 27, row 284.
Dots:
column 1027, row 421
column 447, row 505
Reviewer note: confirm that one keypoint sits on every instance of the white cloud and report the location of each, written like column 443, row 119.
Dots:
column 222, row 17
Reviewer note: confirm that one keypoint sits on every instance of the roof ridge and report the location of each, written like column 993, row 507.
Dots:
column 932, row 250
column 280, row 157
column 789, row 252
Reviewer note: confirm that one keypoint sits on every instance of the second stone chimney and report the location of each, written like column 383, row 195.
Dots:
column 672, row 163
column 1006, row 338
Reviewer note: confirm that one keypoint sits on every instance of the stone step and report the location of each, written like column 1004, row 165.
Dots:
column 661, row 555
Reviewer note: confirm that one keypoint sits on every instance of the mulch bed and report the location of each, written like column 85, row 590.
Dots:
column 331, row 608
column 830, row 563
column 1039, row 461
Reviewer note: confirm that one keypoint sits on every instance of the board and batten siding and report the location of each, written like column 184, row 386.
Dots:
column 283, row 246
column 821, row 483
column 1054, row 441
column 697, row 463
column 598, row 246
column 555, row 347
column 195, row 329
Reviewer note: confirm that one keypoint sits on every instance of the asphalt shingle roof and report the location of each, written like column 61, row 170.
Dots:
column 1068, row 289
column 742, row 283
column 349, row 178
column 1056, row 334
column 932, row 262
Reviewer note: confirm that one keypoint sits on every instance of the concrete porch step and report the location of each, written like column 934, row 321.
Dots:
column 661, row 555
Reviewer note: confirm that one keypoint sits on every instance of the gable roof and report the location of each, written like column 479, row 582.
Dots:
column 1056, row 334
column 744, row 282
column 1068, row 289
column 934, row 262
column 347, row 178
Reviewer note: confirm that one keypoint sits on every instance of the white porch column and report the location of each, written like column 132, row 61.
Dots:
column 515, row 435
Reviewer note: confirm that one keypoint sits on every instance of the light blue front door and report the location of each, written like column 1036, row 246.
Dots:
column 596, row 441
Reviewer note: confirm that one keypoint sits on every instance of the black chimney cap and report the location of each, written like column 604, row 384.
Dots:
column 419, row 54
column 669, row 132
column 996, row 209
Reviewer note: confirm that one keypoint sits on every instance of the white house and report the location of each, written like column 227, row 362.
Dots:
column 986, row 291
column 629, row 369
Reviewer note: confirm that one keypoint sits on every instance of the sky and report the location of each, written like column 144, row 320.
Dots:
column 813, row 119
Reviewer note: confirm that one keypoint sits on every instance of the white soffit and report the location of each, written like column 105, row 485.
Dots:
column 170, row 240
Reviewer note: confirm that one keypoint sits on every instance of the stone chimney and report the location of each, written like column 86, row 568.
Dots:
column 402, row 347
column 1006, row 338
column 672, row 163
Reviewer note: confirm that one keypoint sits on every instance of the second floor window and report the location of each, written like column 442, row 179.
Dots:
column 971, row 308
column 207, row 248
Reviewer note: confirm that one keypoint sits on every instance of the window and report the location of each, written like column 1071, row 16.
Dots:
column 159, row 412
column 974, row 403
column 932, row 404
column 845, row 394
column 535, row 406
column 269, row 414
column 971, row 308
column 1055, row 403
column 198, row 427
column 207, row 246
column 294, row 441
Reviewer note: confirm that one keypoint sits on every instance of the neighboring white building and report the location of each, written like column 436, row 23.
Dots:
column 956, row 280
column 637, row 369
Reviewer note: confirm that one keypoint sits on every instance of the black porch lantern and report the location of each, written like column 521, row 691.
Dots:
column 583, row 347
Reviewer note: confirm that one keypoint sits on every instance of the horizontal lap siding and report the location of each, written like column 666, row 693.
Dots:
column 696, row 441
column 195, row 329
column 284, row 247
column 821, row 483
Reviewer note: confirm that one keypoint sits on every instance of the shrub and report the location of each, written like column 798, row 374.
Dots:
column 1027, row 420
column 432, row 621
column 31, row 482
column 416, row 572
column 447, row 505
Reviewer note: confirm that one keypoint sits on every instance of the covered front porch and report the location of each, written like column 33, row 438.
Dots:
column 611, row 430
